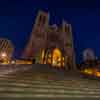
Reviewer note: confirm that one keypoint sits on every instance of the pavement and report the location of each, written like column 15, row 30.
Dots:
column 48, row 85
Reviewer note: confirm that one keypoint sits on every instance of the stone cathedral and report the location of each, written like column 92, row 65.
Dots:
column 51, row 44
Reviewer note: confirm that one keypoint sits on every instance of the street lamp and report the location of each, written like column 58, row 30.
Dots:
column 3, row 55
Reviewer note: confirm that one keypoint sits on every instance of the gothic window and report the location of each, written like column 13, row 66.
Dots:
column 68, row 31
column 42, row 20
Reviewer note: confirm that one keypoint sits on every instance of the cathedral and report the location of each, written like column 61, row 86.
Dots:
column 51, row 44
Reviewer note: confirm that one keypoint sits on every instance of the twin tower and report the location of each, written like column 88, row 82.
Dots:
column 51, row 44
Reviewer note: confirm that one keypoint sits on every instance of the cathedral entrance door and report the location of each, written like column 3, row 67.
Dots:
column 54, row 57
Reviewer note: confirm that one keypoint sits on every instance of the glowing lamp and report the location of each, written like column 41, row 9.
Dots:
column 3, row 55
column 98, row 74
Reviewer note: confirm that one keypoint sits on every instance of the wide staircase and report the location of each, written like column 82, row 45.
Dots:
column 30, row 85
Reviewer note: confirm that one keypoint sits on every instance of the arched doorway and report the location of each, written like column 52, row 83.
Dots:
column 53, row 57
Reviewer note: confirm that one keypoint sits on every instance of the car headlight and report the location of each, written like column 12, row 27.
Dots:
column 88, row 71
column 98, row 74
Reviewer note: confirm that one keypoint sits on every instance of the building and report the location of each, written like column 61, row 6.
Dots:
column 89, row 54
column 6, row 50
column 51, row 44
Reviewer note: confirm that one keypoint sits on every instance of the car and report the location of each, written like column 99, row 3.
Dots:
column 90, row 69
column 91, row 72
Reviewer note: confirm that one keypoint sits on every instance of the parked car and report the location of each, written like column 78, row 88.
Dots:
column 90, row 69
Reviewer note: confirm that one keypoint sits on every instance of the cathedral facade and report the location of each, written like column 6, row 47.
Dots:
column 51, row 44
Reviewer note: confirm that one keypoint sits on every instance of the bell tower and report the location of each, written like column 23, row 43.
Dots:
column 38, row 35
column 68, row 45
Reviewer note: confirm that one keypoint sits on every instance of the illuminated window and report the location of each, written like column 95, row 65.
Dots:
column 54, row 58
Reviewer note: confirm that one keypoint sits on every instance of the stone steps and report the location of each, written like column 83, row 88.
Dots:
column 10, row 87
column 46, row 85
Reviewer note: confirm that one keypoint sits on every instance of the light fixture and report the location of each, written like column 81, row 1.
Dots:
column 3, row 55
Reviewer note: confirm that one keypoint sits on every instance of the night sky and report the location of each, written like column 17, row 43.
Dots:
column 17, row 18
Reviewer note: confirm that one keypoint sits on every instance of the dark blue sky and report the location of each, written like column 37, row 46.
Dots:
column 17, row 18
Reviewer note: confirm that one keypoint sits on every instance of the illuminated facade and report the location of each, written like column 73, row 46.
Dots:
column 51, row 44
column 6, row 49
